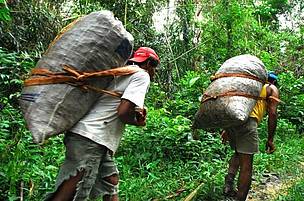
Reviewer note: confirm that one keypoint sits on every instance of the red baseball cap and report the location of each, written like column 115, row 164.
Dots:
column 143, row 53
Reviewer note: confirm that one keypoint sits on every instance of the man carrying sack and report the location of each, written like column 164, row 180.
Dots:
column 89, row 170
column 244, row 140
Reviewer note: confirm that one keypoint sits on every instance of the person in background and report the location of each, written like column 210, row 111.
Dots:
column 89, row 171
column 244, row 140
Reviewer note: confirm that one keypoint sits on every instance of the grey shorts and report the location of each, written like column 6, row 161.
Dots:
column 95, row 160
column 244, row 139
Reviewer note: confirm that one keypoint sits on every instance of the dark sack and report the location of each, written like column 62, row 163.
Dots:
column 229, row 99
column 95, row 42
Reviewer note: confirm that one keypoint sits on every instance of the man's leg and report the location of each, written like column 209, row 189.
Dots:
column 246, row 161
column 113, row 179
column 67, row 189
column 78, row 172
column 232, row 171
column 106, row 183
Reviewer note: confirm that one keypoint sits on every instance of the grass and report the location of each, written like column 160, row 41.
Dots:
column 158, row 179
column 155, row 163
column 294, row 193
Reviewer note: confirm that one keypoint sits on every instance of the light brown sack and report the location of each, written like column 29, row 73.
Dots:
column 95, row 42
column 230, row 98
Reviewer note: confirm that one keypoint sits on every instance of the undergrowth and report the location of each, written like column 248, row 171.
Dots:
column 159, row 161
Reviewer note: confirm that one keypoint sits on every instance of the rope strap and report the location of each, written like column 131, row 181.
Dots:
column 244, row 75
column 101, row 91
column 275, row 99
column 207, row 97
column 72, row 75
column 77, row 78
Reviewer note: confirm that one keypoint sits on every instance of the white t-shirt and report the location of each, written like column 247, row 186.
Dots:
column 101, row 124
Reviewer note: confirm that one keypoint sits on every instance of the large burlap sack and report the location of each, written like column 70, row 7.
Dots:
column 95, row 42
column 229, row 100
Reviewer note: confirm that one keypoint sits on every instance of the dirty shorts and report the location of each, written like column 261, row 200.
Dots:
column 96, row 161
column 244, row 139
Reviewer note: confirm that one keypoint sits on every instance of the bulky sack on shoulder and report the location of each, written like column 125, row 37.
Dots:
column 95, row 42
column 232, row 94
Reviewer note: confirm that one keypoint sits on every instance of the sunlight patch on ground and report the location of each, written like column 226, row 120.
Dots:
column 272, row 186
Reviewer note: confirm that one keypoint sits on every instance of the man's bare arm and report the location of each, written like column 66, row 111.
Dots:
column 272, row 103
column 128, row 114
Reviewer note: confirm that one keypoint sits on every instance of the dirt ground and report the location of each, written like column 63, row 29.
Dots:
column 272, row 185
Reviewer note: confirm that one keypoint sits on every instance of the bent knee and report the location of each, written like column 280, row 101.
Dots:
column 113, row 179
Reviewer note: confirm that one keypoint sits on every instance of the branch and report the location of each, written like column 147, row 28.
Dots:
column 193, row 193
column 21, row 191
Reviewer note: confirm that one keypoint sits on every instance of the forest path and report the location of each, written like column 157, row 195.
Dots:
column 272, row 185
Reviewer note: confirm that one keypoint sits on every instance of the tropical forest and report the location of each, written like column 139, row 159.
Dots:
column 167, row 159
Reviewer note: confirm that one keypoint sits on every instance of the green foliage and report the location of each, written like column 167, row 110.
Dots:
column 230, row 28
column 160, row 159
column 136, row 15
column 22, row 162
column 296, row 192
column 178, row 38
column 185, row 100
column 293, row 54
column 268, row 11
column 292, row 93
column 4, row 11
column 33, row 26
column 13, row 69
column 171, row 150
column 169, row 133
